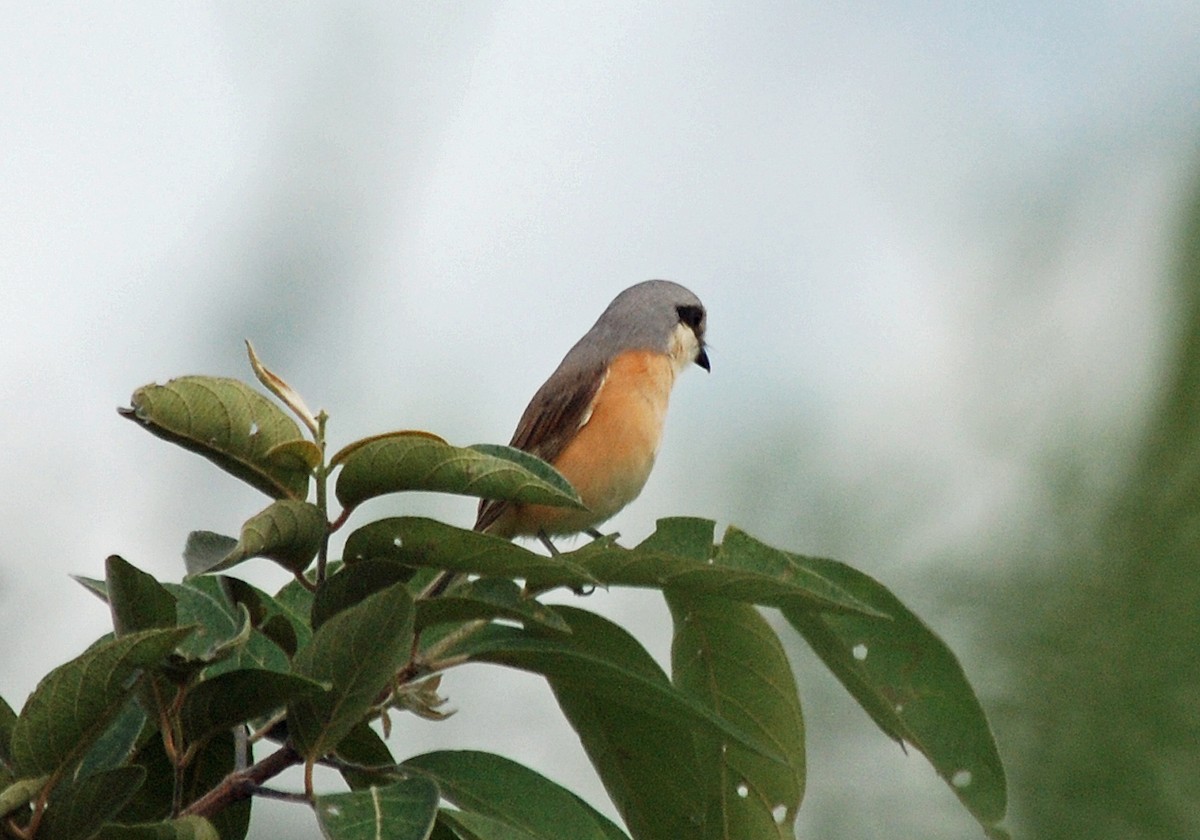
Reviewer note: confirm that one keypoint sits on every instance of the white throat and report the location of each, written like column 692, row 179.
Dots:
column 684, row 347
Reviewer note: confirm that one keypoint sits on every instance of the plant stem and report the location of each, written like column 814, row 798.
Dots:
column 242, row 784
column 448, row 641
column 322, row 476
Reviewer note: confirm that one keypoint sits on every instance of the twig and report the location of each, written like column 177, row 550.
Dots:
column 281, row 795
column 305, row 582
column 243, row 784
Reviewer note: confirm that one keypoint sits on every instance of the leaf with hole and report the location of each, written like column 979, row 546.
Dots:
column 417, row 541
column 404, row 810
column 664, row 563
column 728, row 657
column 911, row 685
column 512, row 794
column 230, row 424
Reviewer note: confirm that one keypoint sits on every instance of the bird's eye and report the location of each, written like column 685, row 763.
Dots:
column 690, row 316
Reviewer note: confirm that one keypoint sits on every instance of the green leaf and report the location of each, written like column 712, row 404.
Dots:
column 741, row 553
column 769, row 578
column 417, row 541
column 254, row 651
column 154, row 800
column 184, row 828
column 287, row 531
column 356, row 652
column 226, row 639
column 487, row 599
column 727, row 656
column 597, row 658
column 97, row 587
column 301, row 456
column 8, row 719
column 79, row 807
column 529, row 462
column 200, row 602
column 296, row 602
column 467, row 825
column 205, row 549
column 350, row 584
column 218, row 628
column 911, row 685
column 374, row 541
column 684, row 536
column 20, row 792
column 235, row 697
column 134, row 598
column 404, row 810
column 137, row 600
column 73, row 704
column 441, row 831
column 274, row 619
column 365, row 749
column 217, row 760
column 230, row 424
column 113, row 748
column 404, row 461
column 503, row 790
column 714, row 644
column 647, row 762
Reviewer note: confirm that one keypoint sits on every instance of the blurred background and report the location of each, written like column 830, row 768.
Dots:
column 950, row 252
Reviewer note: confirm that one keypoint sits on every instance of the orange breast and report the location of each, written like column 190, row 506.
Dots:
column 610, row 458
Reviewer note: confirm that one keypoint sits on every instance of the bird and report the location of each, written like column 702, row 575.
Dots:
column 599, row 418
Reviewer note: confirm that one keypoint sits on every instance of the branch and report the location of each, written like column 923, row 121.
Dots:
column 242, row 784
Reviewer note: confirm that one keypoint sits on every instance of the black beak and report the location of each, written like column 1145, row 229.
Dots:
column 702, row 359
